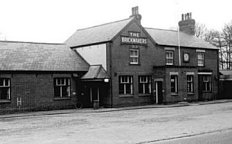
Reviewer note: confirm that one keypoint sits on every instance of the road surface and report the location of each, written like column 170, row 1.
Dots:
column 218, row 137
column 117, row 127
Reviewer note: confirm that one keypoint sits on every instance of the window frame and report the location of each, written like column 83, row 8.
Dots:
column 8, row 88
column 201, row 61
column 129, row 81
column 59, row 85
column 175, row 92
column 145, row 84
column 191, row 83
column 207, row 83
column 134, row 57
column 167, row 58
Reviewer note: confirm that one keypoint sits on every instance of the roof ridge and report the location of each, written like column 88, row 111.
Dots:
column 160, row 29
column 103, row 24
column 32, row 42
column 96, row 65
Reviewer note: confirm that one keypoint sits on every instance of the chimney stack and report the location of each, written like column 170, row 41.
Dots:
column 136, row 15
column 187, row 24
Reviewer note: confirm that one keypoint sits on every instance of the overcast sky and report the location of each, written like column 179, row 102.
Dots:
column 56, row 20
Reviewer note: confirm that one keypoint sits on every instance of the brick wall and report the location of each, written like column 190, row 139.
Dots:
column 36, row 92
column 154, row 55
column 149, row 55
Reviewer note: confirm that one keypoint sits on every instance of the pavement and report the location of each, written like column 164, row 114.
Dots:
column 100, row 110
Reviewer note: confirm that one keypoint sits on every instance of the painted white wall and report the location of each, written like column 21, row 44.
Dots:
column 94, row 55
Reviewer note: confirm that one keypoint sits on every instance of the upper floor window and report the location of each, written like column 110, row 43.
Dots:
column 125, row 85
column 169, row 57
column 200, row 59
column 145, row 84
column 134, row 56
column 62, row 87
column 4, row 89
column 190, row 84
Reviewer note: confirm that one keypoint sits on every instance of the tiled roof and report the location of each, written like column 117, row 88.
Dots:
column 96, row 34
column 106, row 32
column 170, row 37
column 29, row 56
column 95, row 72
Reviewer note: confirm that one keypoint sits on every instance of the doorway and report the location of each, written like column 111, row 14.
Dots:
column 94, row 93
column 158, row 92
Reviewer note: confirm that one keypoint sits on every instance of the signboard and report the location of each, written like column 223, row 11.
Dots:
column 134, row 39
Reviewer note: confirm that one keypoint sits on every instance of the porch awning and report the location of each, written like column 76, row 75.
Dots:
column 226, row 75
column 95, row 73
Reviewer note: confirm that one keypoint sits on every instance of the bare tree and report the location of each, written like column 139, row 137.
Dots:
column 221, row 39
column 200, row 30
column 227, row 35
column 216, row 38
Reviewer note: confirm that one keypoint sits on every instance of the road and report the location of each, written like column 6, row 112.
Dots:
column 218, row 137
column 139, row 126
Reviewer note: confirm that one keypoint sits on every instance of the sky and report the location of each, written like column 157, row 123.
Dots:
column 54, row 21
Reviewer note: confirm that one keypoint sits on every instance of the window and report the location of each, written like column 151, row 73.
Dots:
column 4, row 89
column 200, row 59
column 62, row 87
column 125, row 85
column 134, row 56
column 174, row 84
column 207, row 83
column 190, row 83
column 169, row 57
column 144, row 84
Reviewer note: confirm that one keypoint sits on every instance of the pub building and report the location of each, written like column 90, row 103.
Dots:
column 134, row 65
column 115, row 64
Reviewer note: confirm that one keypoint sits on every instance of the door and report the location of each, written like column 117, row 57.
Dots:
column 200, row 87
column 159, row 92
column 94, row 93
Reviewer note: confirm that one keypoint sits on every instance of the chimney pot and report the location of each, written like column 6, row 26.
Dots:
column 187, row 24
column 136, row 15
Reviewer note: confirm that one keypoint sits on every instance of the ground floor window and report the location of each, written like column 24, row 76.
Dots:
column 144, row 84
column 207, row 83
column 174, row 84
column 4, row 89
column 62, row 87
column 190, row 82
column 125, row 85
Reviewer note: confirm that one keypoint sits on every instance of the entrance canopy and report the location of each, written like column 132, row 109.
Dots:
column 96, row 73
column 226, row 75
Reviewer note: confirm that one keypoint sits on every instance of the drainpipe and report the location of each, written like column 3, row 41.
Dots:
column 179, row 45
column 108, row 45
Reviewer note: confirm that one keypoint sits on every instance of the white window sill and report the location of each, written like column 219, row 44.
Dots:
column 5, row 101
column 126, row 95
column 62, row 98
column 174, row 94
column 144, row 95
column 169, row 64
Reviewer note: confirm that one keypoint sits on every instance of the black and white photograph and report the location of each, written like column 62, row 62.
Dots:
column 115, row 72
